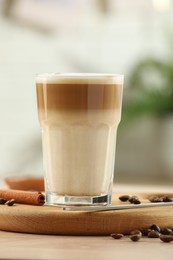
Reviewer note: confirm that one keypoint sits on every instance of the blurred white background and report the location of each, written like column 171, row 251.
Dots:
column 39, row 36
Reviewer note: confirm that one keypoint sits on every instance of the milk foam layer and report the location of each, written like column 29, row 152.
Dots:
column 80, row 78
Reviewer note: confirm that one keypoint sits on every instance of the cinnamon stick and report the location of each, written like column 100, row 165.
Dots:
column 23, row 197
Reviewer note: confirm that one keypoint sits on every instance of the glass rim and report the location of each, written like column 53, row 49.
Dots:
column 51, row 77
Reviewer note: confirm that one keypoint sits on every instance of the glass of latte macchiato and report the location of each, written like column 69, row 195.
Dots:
column 79, row 115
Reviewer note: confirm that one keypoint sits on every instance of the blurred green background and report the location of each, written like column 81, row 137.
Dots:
column 134, row 38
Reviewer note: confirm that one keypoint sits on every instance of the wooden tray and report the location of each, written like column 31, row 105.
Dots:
column 53, row 220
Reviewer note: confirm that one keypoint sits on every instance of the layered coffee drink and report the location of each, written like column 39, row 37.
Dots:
column 79, row 115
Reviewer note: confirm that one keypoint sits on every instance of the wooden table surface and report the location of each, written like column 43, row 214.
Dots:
column 28, row 246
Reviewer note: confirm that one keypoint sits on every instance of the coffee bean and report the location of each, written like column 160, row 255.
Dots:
column 133, row 198
column 166, row 238
column 117, row 235
column 2, row 201
column 136, row 201
column 135, row 238
column 136, row 232
column 155, row 199
column 124, row 197
column 10, row 202
column 145, row 231
column 167, row 199
column 153, row 234
column 166, row 231
column 155, row 227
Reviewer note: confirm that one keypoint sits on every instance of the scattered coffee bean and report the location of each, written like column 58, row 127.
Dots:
column 10, row 202
column 137, row 201
column 167, row 199
column 136, row 232
column 153, row 234
column 166, row 238
column 145, row 231
column 155, row 199
column 165, row 234
column 135, row 238
column 133, row 198
column 161, row 199
column 2, row 201
column 117, row 235
column 166, row 231
column 155, row 227
column 124, row 197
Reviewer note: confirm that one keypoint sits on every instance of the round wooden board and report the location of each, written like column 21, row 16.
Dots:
column 55, row 221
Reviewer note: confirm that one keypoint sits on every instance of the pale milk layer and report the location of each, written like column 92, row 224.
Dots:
column 79, row 154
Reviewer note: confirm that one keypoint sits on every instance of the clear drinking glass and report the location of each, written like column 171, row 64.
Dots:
column 79, row 115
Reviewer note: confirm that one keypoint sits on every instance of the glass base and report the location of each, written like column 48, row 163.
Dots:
column 55, row 199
